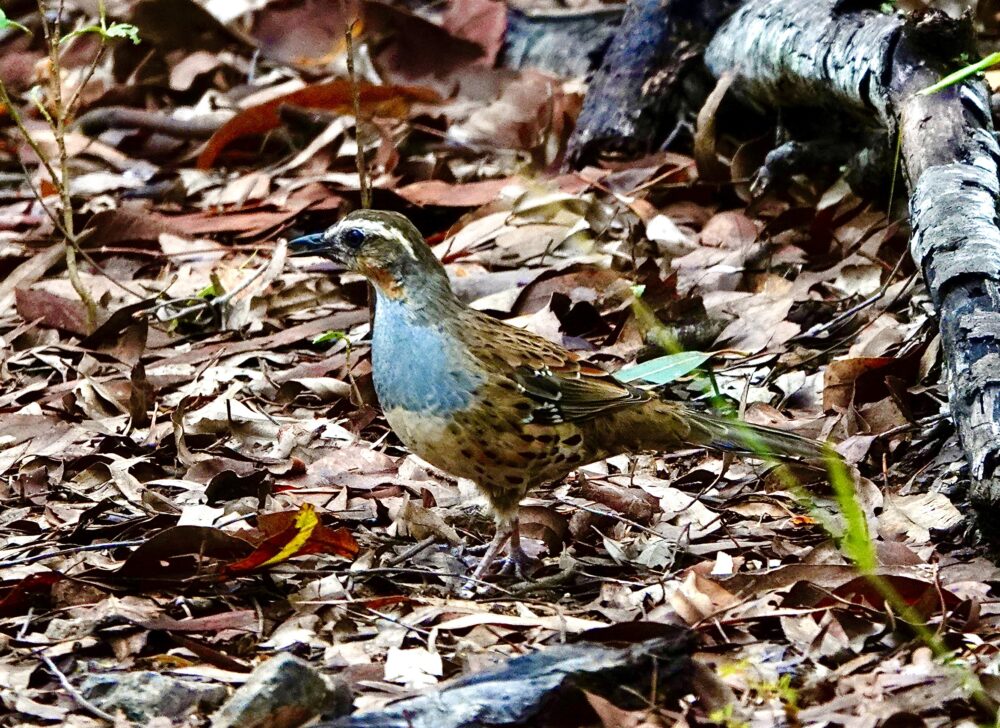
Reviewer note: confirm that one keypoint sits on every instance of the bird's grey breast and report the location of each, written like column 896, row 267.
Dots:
column 416, row 365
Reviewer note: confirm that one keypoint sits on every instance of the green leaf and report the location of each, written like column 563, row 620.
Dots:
column 81, row 31
column 123, row 30
column 329, row 336
column 115, row 30
column 6, row 22
column 208, row 291
column 664, row 369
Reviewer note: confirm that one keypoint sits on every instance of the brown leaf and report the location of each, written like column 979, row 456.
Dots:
column 710, row 169
column 239, row 619
column 442, row 194
column 481, row 21
column 319, row 30
column 912, row 517
column 52, row 310
column 630, row 502
column 331, row 95
column 141, row 396
column 841, row 375
column 417, row 48
column 732, row 230
column 180, row 553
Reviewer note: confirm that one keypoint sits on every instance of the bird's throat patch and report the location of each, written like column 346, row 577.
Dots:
column 384, row 280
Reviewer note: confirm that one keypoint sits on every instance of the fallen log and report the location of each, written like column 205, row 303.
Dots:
column 873, row 65
column 651, row 79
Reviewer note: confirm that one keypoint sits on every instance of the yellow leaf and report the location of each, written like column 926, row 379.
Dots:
column 306, row 522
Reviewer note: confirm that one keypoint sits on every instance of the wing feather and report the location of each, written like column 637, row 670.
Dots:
column 570, row 395
column 562, row 388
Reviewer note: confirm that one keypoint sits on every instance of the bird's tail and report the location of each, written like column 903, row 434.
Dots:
column 733, row 435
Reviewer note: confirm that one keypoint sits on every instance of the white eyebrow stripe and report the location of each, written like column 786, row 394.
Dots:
column 378, row 229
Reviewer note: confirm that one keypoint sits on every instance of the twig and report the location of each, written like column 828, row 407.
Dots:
column 59, row 129
column 77, row 695
column 546, row 582
column 27, row 622
column 37, row 194
column 15, row 116
column 210, row 303
column 72, row 550
column 97, row 266
column 411, row 552
column 840, row 318
column 91, row 69
column 364, row 184
column 418, row 572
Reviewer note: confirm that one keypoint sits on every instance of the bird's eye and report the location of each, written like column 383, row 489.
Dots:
column 353, row 238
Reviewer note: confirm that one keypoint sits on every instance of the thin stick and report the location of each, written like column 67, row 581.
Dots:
column 364, row 184
column 411, row 552
column 547, row 582
column 77, row 696
column 217, row 302
column 72, row 550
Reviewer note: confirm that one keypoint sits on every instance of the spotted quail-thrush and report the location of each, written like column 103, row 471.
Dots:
column 502, row 406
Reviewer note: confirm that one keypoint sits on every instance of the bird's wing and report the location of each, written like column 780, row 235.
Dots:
column 561, row 387
column 574, row 393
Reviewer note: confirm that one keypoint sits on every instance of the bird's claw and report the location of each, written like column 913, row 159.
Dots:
column 517, row 563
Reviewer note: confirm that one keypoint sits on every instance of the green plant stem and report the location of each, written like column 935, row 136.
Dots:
column 59, row 171
column 856, row 542
column 961, row 74
column 15, row 116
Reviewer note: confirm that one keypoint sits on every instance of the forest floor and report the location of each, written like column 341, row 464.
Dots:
column 205, row 479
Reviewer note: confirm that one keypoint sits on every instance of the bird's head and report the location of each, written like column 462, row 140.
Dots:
column 383, row 246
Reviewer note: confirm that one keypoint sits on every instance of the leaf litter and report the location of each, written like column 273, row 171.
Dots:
column 205, row 478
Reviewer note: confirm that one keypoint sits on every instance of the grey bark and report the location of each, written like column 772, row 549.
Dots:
column 870, row 64
column 566, row 43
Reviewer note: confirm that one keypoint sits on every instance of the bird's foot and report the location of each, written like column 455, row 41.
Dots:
column 499, row 540
column 517, row 563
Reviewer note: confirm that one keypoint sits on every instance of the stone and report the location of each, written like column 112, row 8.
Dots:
column 145, row 695
column 283, row 692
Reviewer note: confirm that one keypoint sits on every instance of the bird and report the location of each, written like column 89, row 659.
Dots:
column 484, row 400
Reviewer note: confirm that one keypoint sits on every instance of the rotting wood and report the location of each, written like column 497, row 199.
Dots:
column 872, row 64
column 651, row 80
column 566, row 43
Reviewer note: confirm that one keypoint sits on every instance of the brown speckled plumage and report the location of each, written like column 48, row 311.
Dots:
column 497, row 404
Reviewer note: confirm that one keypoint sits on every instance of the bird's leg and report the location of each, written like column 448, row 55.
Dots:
column 516, row 561
column 504, row 531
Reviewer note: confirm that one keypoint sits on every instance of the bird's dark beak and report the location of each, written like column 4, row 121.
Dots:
column 308, row 245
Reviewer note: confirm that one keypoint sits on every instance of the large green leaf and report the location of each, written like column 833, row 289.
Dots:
column 664, row 369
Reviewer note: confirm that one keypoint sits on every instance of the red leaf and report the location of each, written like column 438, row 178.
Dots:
column 288, row 527
column 26, row 593
column 334, row 95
